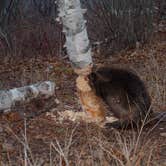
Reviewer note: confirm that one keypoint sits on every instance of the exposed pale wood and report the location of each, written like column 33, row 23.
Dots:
column 91, row 103
column 82, row 116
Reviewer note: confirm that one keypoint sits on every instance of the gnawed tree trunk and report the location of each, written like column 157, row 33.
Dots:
column 25, row 94
column 79, row 51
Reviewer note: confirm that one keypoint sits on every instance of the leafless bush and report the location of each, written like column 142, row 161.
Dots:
column 160, row 10
column 112, row 25
column 118, row 24
column 32, row 28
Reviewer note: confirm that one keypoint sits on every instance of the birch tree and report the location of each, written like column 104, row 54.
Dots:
column 80, row 55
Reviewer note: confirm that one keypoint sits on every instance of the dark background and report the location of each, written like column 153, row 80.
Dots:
column 29, row 27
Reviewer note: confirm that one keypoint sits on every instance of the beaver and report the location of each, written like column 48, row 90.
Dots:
column 124, row 93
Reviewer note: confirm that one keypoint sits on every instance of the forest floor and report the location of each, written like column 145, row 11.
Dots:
column 41, row 136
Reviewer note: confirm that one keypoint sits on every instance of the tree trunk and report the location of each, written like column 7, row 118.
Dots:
column 80, row 55
column 25, row 94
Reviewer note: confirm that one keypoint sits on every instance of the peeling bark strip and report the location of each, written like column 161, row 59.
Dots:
column 8, row 98
column 77, row 42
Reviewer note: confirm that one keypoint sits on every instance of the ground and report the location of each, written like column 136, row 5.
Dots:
column 42, row 137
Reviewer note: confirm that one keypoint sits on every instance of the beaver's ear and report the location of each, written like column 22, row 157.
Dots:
column 92, row 77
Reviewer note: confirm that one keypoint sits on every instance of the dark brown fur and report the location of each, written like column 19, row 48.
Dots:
column 123, row 91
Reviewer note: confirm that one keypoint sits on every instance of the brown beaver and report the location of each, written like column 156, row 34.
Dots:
column 124, row 93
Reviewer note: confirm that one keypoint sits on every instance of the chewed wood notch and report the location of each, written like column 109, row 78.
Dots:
column 92, row 104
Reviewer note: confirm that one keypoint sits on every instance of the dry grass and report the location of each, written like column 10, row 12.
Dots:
column 45, row 141
column 157, row 80
column 122, row 148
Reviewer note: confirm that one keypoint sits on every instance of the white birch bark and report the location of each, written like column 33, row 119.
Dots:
column 24, row 94
column 74, row 27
